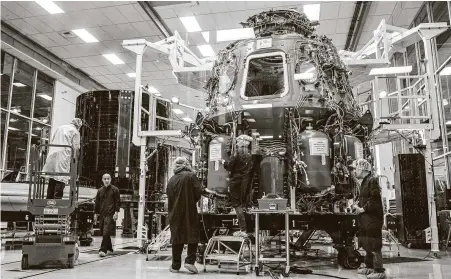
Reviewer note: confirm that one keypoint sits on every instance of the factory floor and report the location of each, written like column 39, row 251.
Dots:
column 126, row 263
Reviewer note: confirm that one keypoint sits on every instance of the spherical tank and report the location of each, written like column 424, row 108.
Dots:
column 271, row 176
column 217, row 174
column 316, row 154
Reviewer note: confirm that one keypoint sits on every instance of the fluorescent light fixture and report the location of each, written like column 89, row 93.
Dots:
column 266, row 137
column 175, row 100
column 206, row 50
column 153, row 90
column 37, row 128
column 312, row 11
column 446, row 71
column 253, row 106
column 251, row 120
column 383, row 94
column 406, row 107
column 113, row 59
column 50, row 7
column 132, row 75
column 187, row 119
column 190, row 23
column 390, row 71
column 420, row 99
column 13, row 120
column 445, row 102
column 256, row 134
column 206, row 36
column 157, row 94
column 177, row 111
column 85, row 35
column 12, row 128
column 45, row 96
column 18, row 84
column 234, row 34
column 448, row 122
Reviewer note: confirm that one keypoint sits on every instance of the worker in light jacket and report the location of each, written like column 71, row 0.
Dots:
column 107, row 206
column 370, row 219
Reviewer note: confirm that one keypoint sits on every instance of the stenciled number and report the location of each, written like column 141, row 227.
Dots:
column 353, row 222
column 26, row 217
column 235, row 222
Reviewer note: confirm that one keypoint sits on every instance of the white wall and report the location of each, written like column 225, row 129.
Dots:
column 64, row 104
column 385, row 167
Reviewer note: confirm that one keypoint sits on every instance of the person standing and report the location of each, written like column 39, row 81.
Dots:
column 107, row 206
column 59, row 158
column 184, row 191
column 370, row 220
column 240, row 167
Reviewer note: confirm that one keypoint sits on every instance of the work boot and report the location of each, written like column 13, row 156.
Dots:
column 363, row 270
column 102, row 254
column 376, row 275
column 191, row 268
column 173, row 270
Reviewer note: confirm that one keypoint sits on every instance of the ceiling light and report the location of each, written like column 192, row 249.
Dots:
column 206, row 50
column 445, row 102
column 113, row 59
column 312, row 11
column 266, row 137
column 390, row 71
column 50, row 7
column 446, row 71
column 37, row 128
column 18, row 84
column 406, row 107
column 175, row 100
column 153, row 90
column 157, row 94
column 252, row 106
column 206, row 36
column 177, row 111
column 85, row 35
column 45, row 96
column 448, row 122
column 13, row 120
column 132, row 75
column 247, row 114
column 420, row 99
column 251, row 120
column 234, row 34
column 383, row 94
column 190, row 23
column 12, row 128
column 256, row 134
column 187, row 119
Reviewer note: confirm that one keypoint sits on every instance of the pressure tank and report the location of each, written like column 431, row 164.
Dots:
column 271, row 176
column 217, row 174
column 353, row 147
column 316, row 154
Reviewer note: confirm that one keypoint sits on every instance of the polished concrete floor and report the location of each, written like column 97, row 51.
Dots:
column 129, row 264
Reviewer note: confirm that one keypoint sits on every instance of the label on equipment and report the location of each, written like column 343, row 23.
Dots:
column 264, row 43
column 52, row 211
column 323, row 159
column 215, row 152
column 216, row 165
column 358, row 150
column 319, row 146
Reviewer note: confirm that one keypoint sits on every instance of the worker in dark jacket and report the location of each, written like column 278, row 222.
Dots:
column 107, row 207
column 240, row 167
column 370, row 220
column 184, row 191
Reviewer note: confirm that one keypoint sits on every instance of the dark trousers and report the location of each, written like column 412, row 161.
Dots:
column 177, row 250
column 241, row 218
column 106, row 245
column 374, row 260
column 55, row 190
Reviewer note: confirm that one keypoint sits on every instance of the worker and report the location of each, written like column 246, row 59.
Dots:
column 370, row 220
column 107, row 206
column 59, row 158
column 240, row 167
column 184, row 191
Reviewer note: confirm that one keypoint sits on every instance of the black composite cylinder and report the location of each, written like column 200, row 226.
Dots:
column 271, row 176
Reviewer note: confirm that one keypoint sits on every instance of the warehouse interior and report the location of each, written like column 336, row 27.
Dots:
column 321, row 97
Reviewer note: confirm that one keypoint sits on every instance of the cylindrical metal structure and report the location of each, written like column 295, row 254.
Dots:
column 353, row 147
column 271, row 176
column 217, row 174
column 316, row 154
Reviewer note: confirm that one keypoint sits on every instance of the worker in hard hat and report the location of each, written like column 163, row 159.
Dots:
column 59, row 158
column 240, row 168
column 370, row 219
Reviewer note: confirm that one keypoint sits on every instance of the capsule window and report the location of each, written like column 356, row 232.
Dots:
column 265, row 76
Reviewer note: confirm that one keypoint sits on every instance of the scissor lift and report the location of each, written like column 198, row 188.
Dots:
column 53, row 243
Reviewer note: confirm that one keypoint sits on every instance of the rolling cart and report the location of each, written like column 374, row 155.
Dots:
column 53, row 243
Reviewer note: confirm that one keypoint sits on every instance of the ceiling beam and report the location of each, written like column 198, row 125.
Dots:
column 358, row 21
column 25, row 45
column 155, row 17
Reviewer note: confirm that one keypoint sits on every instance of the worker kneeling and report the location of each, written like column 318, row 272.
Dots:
column 184, row 191
column 59, row 158
column 370, row 220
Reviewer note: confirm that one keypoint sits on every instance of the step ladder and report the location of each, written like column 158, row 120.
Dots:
column 218, row 249
column 161, row 241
